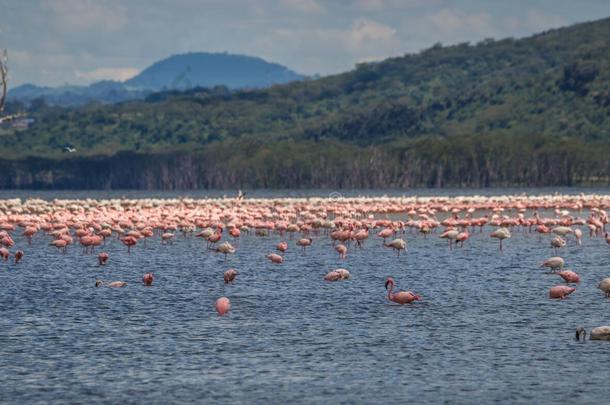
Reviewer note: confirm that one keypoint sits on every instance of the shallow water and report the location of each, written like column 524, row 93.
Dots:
column 484, row 332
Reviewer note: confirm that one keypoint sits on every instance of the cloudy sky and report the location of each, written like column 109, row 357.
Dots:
column 52, row 42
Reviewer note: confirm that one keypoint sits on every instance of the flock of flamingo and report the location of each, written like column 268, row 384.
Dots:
column 348, row 222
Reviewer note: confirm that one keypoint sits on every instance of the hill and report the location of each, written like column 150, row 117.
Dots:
column 531, row 111
column 183, row 71
column 212, row 69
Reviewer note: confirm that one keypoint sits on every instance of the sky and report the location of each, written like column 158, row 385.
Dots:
column 54, row 42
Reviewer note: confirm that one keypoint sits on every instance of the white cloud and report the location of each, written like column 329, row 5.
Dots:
column 120, row 74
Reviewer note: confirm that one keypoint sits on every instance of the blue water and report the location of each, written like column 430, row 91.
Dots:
column 484, row 332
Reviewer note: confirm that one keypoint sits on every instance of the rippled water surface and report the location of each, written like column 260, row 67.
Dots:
column 484, row 332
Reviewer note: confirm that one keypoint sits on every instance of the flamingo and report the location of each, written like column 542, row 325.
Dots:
column 4, row 253
column 553, row 263
column 226, row 248
column 343, row 273
column 561, row 292
column 60, row 244
column 282, row 246
column 557, row 243
column 229, row 276
column 167, row 237
column 604, row 285
column 397, row 245
column 213, row 239
column 102, row 258
column 304, row 242
column 18, row 256
column 223, row 305
column 562, row 230
column 401, row 297
column 385, row 233
column 29, row 233
column 117, row 284
column 275, row 258
column 336, row 275
column 451, row 235
column 569, row 276
column 501, row 234
column 148, row 279
column 112, row 284
column 599, row 333
column 361, row 236
column 578, row 236
column 332, row 276
column 462, row 237
column 129, row 241
column 342, row 250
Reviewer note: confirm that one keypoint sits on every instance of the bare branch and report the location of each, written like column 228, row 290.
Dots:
column 3, row 77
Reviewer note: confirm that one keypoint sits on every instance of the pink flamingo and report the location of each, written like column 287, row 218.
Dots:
column 569, row 276
column 102, row 258
column 275, row 258
column 60, row 244
column 129, row 241
column 332, row 276
column 401, row 297
column 462, row 237
column 117, row 284
column 342, row 250
column 361, row 236
column 223, row 305
column 386, row 233
column 561, row 291
column 29, row 232
column 4, row 253
column 304, row 242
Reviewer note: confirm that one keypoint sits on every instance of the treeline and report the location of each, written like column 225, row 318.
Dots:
column 469, row 161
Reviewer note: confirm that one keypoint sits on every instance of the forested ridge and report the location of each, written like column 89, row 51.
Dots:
column 532, row 111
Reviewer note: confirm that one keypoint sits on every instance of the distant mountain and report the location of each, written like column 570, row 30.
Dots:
column 202, row 69
column 106, row 91
column 178, row 72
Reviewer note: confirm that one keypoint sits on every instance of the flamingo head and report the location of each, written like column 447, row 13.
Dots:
column 148, row 278
column 390, row 281
column 98, row 283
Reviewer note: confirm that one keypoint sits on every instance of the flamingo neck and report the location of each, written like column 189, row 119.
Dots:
column 390, row 293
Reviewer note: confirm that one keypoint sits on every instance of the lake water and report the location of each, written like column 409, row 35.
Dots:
column 485, row 331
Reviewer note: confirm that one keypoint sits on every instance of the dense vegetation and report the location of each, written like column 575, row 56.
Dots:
column 534, row 111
